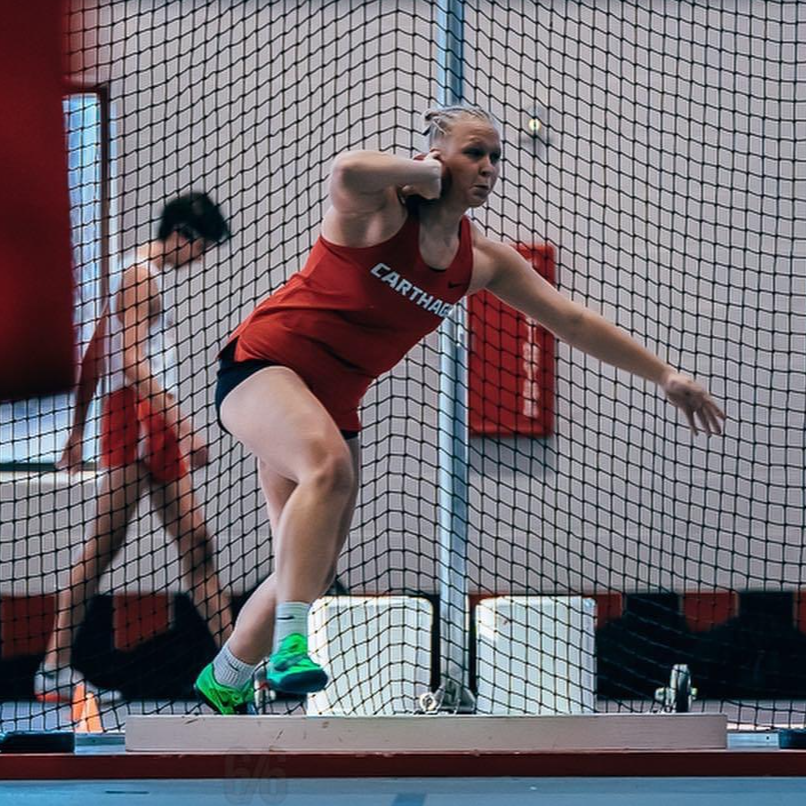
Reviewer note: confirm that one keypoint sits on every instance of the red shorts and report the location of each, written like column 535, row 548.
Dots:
column 131, row 432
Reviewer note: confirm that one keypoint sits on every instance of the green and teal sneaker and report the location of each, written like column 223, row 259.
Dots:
column 290, row 670
column 224, row 699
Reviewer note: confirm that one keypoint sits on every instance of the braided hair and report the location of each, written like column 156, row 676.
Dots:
column 440, row 121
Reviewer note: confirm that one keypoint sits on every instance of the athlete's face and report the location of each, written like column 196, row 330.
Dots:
column 197, row 247
column 472, row 155
column 185, row 250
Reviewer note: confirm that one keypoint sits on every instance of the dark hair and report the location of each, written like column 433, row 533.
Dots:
column 194, row 215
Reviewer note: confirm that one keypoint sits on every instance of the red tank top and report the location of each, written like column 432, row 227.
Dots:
column 352, row 313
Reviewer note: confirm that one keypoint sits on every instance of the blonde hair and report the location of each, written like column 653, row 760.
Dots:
column 439, row 121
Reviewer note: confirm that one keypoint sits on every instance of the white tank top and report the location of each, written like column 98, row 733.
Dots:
column 160, row 346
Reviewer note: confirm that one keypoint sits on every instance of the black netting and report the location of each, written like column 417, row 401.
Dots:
column 653, row 155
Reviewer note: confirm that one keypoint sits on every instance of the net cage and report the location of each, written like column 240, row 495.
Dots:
column 579, row 544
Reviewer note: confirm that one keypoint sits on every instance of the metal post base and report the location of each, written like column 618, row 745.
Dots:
column 450, row 698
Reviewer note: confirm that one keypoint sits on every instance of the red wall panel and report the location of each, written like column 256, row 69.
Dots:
column 511, row 362
column 37, row 341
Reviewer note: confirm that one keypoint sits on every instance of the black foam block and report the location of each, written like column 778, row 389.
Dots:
column 792, row 739
column 37, row 741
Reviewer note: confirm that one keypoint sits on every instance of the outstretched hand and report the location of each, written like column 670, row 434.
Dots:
column 193, row 447
column 72, row 458
column 697, row 405
column 199, row 453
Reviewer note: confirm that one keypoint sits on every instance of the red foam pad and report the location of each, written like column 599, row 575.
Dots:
column 37, row 339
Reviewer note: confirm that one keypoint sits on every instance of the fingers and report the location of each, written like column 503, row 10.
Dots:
column 707, row 413
column 718, row 416
column 717, row 411
column 705, row 423
column 711, row 413
column 73, row 468
column 199, row 456
column 71, row 462
column 700, row 410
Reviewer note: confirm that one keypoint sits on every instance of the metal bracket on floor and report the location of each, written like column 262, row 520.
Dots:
column 679, row 695
column 450, row 698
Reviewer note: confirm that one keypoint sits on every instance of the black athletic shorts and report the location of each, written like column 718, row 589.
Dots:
column 232, row 372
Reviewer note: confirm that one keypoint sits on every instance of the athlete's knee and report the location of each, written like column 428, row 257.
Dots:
column 199, row 556
column 333, row 471
column 101, row 547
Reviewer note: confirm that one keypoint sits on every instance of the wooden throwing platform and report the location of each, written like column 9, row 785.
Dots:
column 515, row 734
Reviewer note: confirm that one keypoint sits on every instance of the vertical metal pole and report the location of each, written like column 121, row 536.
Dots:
column 453, row 432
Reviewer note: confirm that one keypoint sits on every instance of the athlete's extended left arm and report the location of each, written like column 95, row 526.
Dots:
column 515, row 282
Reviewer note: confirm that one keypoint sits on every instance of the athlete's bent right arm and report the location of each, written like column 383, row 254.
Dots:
column 366, row 188
column 369, row 175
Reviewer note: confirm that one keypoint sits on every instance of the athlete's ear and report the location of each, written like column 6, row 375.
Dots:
column 434, row 154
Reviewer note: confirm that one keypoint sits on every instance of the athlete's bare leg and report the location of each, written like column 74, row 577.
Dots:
column 277, row 491
column 183, row 519
column 117, row 498
column 279, row 420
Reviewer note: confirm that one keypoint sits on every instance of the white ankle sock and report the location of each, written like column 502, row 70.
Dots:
column 290, row 617
column 56, row 675
column 231, row 671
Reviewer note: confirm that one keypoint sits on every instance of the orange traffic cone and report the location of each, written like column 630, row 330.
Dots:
column 77, row 706
column 85, row 712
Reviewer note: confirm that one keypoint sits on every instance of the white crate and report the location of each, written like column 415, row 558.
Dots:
column 377, row 651
column 535, row 655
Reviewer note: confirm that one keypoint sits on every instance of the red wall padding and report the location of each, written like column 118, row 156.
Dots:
column 37, row 339
column 511, row 366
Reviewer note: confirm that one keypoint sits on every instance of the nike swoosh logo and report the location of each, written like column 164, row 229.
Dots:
column 454, row 285
column 285, row 618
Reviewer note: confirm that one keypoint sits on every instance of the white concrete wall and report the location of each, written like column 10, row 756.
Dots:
column 674, row 187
